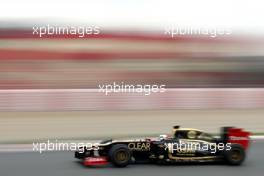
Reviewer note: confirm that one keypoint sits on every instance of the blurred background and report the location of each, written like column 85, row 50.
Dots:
column 49, row 85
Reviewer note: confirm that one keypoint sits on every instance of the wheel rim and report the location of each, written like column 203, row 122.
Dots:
column 121, row 156
column 236, row 155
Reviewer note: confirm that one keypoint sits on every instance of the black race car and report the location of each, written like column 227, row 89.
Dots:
column 185, row 145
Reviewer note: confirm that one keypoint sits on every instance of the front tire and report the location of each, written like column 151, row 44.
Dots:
column 236, row 155
column 120, row 155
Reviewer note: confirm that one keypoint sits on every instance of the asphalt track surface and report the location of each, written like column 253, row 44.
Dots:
column 63, row 164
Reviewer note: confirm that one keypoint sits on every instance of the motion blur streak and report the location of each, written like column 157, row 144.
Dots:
column 93, row 99
column 66, row 62
column 56, row 76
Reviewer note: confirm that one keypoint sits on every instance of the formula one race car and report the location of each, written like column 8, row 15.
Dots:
column 185, row 145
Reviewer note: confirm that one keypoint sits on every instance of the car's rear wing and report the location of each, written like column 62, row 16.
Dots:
column 236, row 136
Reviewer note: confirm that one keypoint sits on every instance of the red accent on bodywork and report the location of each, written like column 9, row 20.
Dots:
column 238, row 136
column 95, row 161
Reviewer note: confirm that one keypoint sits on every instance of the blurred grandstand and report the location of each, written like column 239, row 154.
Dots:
column 66, row 62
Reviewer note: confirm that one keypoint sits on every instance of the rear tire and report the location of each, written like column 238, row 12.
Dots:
column 236, row 155
column 120, row 155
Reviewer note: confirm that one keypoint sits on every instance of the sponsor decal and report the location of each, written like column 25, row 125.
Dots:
column 238, row 138
column 139, row 146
